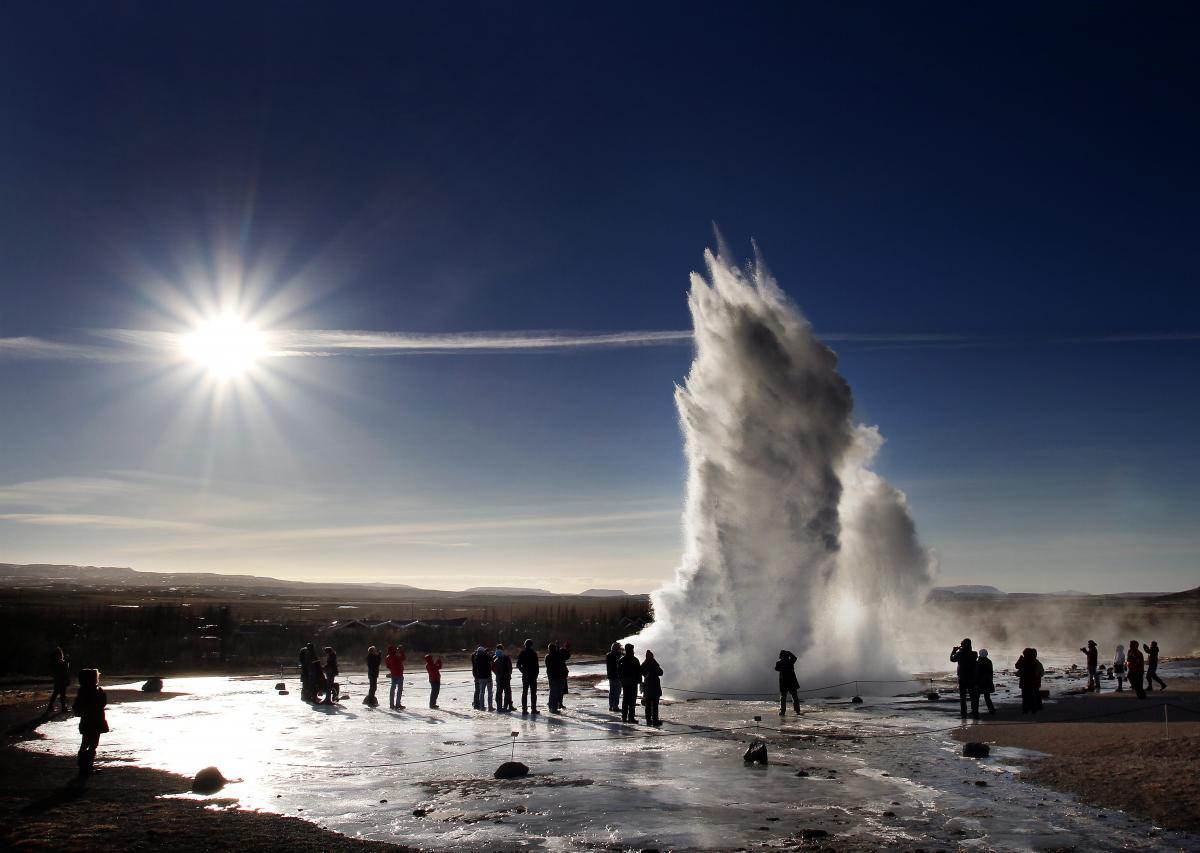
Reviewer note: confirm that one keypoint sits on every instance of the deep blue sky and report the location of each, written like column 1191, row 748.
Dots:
column 1018, row 177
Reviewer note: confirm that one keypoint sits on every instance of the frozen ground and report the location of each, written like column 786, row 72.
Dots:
column 598, row 785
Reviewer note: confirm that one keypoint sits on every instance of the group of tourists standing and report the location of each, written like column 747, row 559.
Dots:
column 625, row 674
column 1141, row 671
column 90, row 702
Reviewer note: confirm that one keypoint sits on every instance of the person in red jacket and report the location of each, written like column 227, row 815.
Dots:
column 433, row 666
column 395, row 664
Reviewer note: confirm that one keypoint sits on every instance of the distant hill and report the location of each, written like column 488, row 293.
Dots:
column 1186, row 595
column 504, row 590
column 969, row 589
column 604, row 593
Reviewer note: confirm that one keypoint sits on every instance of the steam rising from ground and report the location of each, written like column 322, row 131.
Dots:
column 791, row 541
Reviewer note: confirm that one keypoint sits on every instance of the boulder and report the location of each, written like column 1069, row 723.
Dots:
column 756, row 753
column 1045, row 694
column 932, row 696
column 370, row 700
column 152, row 685
column 208, row 781
column 857, row 700
column 975, row 749
column 283, row 692
column 279, row 685
column 511, row 770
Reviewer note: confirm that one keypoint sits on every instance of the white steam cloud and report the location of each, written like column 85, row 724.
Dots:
column 791, row 541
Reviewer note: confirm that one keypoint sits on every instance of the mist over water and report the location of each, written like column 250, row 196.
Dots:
column 790, row 539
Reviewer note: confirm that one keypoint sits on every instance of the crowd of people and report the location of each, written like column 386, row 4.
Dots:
column 1141, row 671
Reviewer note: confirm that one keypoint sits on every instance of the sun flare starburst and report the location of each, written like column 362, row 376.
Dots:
column 225, row 346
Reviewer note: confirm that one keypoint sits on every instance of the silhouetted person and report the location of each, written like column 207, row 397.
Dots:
column 612, row 661
column 1119, row 667
column 966, row 659
column 374, row 658
column 89, row 704
column 651, row 688
column 1029, row 677
column 481, row 669
column 556, row 674
column 788, row 685
column 502, row 667
column 60, row 671
column 395, row 664
column 528, row 664
column 1093, row 664
column 629, row 670
column 433, row 666
column 1151, row 668
column 1135, row 668
column 316, row 678
column 305, row 675
column 331, row 674
column 985, row 684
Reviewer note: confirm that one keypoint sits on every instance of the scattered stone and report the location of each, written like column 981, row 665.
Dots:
column 511, row 770
column 283, row 693
column 152, row 685
column 383, row 801
column 932, row 696
column 811, row 834
column 208, row 781
column 889, row 814
column 756, row 753
column 554, row 759
column 417, row 812
column 857, row 700
column 772, row 818
column 370, row 700
column 974, row 749
column 981, row 783
column 279, row 685
column 802, row 773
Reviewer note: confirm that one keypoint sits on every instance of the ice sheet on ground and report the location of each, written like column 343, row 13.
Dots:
column 597, row 784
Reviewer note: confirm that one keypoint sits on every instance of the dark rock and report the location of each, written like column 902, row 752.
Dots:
column 279, row 685
column 756, row 753
column 772, row 818
column 152, row 685
column 857, row 700
column 1045, row 694
column 370, row 700
column 889, row 814
column 981, row 783
column 810, row 834
column 417, row 812
column 976, row 750
column 511, row 770
column 208, row 781
column 802, row 773
column 932, row 696
column 383, row 801
column 283, row 693
column 554, row 759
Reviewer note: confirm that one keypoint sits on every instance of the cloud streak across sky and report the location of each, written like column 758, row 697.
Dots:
column 123, row 345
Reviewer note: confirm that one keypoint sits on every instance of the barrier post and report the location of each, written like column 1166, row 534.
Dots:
column 512, row 755
column 1166, row 721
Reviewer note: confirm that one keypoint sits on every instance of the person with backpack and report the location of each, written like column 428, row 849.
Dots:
column 395, row 663
column 788, row 684
column 433, row 667
column 612, row 662
column 651, row 688
column 528, row 664
column 629, row 670
column 481, row 669
column 502, row 667
column 557, row 674
column 985, row 684
column 89, row 705
column 1029, row 677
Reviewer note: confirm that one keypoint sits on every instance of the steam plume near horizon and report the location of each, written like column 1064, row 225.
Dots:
column 790, row 540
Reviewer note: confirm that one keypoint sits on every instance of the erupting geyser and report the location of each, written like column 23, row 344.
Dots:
column 791, row 541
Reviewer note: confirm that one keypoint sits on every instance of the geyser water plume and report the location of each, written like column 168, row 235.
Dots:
column 790, row 540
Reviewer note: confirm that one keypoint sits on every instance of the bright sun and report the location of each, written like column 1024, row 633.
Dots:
column 226, row 346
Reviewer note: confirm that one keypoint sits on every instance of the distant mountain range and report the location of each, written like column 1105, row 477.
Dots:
column 982, row 590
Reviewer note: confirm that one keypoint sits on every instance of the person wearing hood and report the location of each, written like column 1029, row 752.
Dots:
column 60, row 671
column 985, row 684
column 316, row 675
column 502, row 666
column 89, row 704
column 651, row 688
column 1029, row 676
column 481, row 669
column 612, row 662
column 629, row 670
column 1093, row 662
column 557, row 674
column 1151, row 667
column 528, row 664
column 966, row 658
column 788, row 685
column 1119, row 668
column 433, row 666
column 1135, row 668
column 374, row 658
column 305, row 676
column 395, row 663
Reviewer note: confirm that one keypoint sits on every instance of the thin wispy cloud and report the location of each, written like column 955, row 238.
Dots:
column 116, row 522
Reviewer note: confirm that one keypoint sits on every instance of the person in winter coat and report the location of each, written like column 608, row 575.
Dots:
column 433, row 666
column 629, row 670
column 481, row 669
column 1119, row 668
column 788, row 685
column 1029, row 676
column 331, row 674
column 305, row 675
column 317, row 682
column 556, row 674
column 60, row 671
column 651, row 688
column 89, row 707
column 395, row 663
column 502, row 667
column 1135, row 668
column 1093, row 663
column 611, row 662
column 1151, row 668
column 374, row 659
column 965, row 657
column 528, row 664
column 985, row 684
